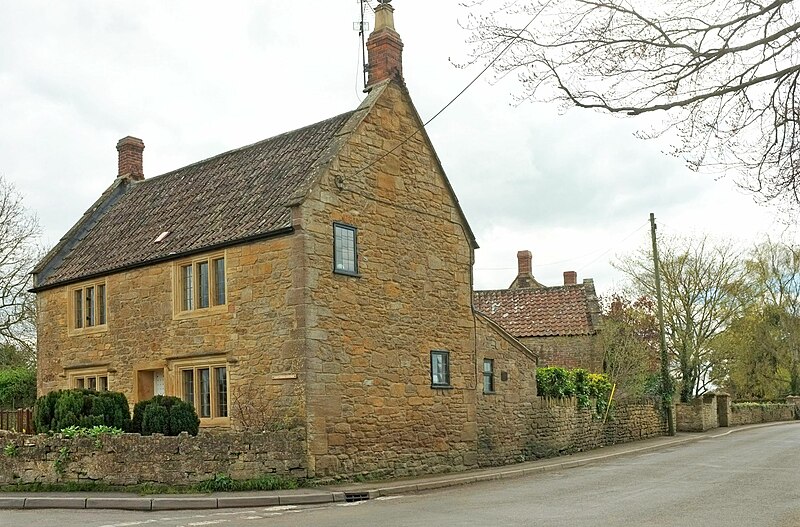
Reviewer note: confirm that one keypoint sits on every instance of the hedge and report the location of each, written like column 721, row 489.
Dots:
column 82, row 408
column 17, row 388
column 164, row 415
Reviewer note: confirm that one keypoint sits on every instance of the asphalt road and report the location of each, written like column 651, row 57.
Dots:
column 749, row 478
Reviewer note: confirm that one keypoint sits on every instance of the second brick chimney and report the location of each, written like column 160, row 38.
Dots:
column 570, row 278
column 524, row 272
column 384, row 47
column 130, row 158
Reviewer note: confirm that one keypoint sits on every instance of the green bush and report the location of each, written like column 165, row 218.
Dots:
column 82, row 408
column 555, row 382
column 164, row 415
column 17, row 388
column 584, row 386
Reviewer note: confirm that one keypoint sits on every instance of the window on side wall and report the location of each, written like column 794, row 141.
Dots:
column 345, row 249
column 440, row 369
column 488, row 375
column 88, row 307
column 200, row 284
column 206, row 389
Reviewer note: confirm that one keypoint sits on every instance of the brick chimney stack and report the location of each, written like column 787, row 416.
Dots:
column 570, row 278
column 384, row 47
column 130, row 158
column 524, row 262
column 524, row 277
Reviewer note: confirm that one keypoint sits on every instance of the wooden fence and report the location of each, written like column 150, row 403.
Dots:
column 17, row 420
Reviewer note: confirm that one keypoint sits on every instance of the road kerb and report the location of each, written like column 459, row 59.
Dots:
column 55, row 503
column 131, row 504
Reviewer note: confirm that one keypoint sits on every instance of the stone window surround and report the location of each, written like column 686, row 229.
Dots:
column 337, row 225
column 177, row 281
column 176, row 369
column 437, row 372
column 72, row 311
column 83, row 375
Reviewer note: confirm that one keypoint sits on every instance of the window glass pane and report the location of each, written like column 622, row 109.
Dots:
column 220, row 376
column 79, row 382
column 89, row 306
column 78, row 305
column 91, row 383
column 488, row 375
column 219, row 281
column 205, row 392
column 101, row 304
column 103, row 384
column 187, row 302
column 188, row 386
column 439, row 368
column 345, row 249
column 202, row 285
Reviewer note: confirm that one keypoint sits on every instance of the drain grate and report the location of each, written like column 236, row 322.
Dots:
column 351, row 497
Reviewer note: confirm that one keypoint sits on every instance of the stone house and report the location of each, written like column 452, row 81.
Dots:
column 561, row 324
column 322, row 276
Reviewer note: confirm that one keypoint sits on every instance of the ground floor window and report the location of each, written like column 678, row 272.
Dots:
column 440, row 368
column 206, row 389
column 97, row 380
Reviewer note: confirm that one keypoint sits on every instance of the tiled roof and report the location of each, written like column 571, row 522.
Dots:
column 238, row 195
column 538, row 312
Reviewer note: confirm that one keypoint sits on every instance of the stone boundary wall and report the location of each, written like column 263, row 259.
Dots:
column 129, row 459
column 557, row 426
column 748, row 413
column 698, row 415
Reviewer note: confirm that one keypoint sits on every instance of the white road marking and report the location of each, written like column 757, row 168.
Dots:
column 351, row 504
column 384, row 498
column 209, row 522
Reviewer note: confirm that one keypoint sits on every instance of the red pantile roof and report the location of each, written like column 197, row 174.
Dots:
column 539, row 312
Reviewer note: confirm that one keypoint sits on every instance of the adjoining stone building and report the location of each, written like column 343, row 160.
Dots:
column 323, row 276
column 561, row 324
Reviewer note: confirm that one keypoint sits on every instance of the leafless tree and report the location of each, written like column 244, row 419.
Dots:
column 19, row 233
column 702, row 284
column 722, row 73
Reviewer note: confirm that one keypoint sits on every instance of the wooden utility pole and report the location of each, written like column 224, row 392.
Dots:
column 666, row 385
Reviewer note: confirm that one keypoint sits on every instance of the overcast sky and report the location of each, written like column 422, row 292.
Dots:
column 197, row 78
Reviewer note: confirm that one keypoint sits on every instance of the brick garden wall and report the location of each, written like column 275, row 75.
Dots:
column 130, row 458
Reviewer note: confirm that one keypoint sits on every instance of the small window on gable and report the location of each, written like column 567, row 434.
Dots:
column 440, row 369
column 200, row 284
column 88, row 307
column 345, row 249
column 488, row 375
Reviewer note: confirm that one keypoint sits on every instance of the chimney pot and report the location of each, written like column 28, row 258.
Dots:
column 384, row 48
column 570, row 278
column 130, row 158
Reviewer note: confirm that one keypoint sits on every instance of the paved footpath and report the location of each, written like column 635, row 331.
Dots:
column 348, row 492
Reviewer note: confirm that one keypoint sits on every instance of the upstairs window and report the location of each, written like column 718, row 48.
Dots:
column 88, row 306
column 345, row 249
column 440, row 369
column 201, row 283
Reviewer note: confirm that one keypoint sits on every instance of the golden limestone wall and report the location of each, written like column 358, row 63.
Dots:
column 579, row 351
column 254, row 335
column 504, row 414
column 371, row 405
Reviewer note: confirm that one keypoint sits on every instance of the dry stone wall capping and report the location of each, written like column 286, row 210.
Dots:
column 130, row 458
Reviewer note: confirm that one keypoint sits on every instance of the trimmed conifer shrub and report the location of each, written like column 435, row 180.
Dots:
column 164, row 415
column 82, row 408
